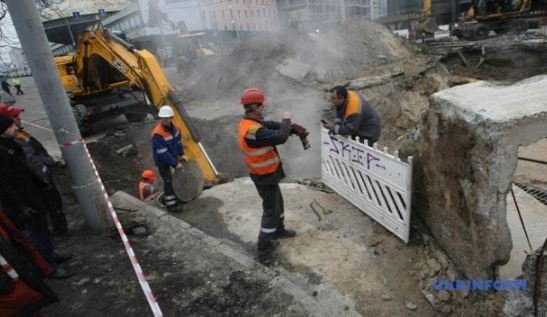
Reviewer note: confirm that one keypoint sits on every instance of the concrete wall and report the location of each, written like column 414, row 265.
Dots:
column 467, row 154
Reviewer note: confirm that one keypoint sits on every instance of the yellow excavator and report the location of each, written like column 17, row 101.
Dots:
column 427, row 26
column 500, row 16
column 107, row 76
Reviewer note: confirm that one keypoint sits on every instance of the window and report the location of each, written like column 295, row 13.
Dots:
column 258, row 13
column 237, row 1
column 243, row 1
column 264, row 12
column 270, row 13
column 246, row 13
column 223, row 16
column 252, row 14
column 238, row 14
column 225, row 28
column 248, row 27
column 262, row 2
column 241, row 27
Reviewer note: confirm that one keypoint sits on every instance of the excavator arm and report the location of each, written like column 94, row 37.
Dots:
column 144, row 73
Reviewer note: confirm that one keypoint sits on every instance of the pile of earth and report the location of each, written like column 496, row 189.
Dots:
column 295, row 68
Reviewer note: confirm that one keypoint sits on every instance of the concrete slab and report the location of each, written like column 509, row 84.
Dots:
column 484, row 101
column 466, row 155
column 173, row 236
column 336, row 244
column 534, row 216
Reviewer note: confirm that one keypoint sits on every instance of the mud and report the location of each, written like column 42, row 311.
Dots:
column 506, row 64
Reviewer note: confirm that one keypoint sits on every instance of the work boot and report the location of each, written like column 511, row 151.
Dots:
column 265, row 251
column 175, row 208
column 61, row 257
column 284, row 234
column 61, row 273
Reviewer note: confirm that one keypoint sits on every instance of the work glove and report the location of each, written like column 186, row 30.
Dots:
column 302, row 134
column 299, row 130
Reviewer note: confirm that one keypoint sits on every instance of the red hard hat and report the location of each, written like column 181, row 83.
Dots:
column 251, row 96
column 148, row 174
column 9, row 111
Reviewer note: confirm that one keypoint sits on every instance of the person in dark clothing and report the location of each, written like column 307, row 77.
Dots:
column 6, row 86
column 22, row 199
column 167, row 148
column 22, row 290
column 257, row 141
column 40, row 163
column 354, row 116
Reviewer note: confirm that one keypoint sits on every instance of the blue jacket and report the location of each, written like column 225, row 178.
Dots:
column 166, row 145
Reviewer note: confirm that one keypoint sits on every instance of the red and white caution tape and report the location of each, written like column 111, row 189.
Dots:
column 132, row 257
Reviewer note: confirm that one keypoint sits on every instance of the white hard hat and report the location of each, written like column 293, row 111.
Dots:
column 166, row 112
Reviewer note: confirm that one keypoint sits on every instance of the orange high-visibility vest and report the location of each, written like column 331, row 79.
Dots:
column 353, row 105
column 262, row 160
column 144, row 186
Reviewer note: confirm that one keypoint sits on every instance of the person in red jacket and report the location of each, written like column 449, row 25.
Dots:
column 22, row 290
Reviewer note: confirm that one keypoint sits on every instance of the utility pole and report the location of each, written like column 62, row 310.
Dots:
column 56, row 104
column 342, row 4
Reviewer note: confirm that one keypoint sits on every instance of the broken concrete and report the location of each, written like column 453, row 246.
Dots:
column 466, row 156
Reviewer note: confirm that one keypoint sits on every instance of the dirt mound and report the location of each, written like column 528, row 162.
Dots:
column 280, row 61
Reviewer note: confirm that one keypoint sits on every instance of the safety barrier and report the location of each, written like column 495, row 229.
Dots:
column 376, row 182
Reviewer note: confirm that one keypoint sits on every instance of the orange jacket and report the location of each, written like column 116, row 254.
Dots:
column 262, row 160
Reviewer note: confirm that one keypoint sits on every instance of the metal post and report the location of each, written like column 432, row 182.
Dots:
column 71, row 34
column 56, row 104
column 342, row 10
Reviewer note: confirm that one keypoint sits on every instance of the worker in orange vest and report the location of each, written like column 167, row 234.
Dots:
column 355, row 117
column 147, row 190
column 257, row 140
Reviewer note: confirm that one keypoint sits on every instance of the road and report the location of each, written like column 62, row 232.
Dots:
column 36, row 122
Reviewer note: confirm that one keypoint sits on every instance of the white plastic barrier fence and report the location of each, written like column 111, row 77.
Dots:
column 376, row 182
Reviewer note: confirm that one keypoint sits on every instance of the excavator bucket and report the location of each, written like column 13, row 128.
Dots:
column 427, row 26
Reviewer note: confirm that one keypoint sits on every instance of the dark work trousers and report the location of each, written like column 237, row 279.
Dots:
column 56, row 216
column 169, row 198
column 37, row 233
column 273, row 213
column 19, row 91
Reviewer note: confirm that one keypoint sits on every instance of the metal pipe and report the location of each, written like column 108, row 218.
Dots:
column 32, row 36
column 532, row 160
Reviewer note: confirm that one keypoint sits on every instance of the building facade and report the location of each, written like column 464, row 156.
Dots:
column 312, row 14
column 242, row 15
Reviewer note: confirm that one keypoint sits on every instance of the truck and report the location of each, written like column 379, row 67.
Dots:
column 107, row 76
column 500, row 16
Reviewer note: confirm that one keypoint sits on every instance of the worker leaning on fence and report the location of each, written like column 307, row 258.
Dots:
column 257, row 140
column 167, row 148
column 354, row 116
